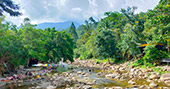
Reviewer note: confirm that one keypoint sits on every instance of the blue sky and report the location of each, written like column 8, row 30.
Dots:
column 40, row 11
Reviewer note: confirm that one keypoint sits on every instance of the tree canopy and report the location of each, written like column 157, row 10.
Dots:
column 8, row 6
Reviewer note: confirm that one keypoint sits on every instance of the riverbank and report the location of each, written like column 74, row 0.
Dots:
column 139, row 77
column 89, row 74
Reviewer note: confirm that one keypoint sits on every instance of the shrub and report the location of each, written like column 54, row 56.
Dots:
column 152, row 54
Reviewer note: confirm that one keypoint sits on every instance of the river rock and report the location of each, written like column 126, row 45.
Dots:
column 51, row 87
column 79, row 72
column 116, row 88
column 167, row 82
column 38, row 87
column 19, row 85
column 55, row 74
column 132, row 70
column 110, row 76
column 164, row 88
column 131, row 82
column 152, row 85
column 165, row 77
column 154, row 76
column 148, row 70
column 21, row 67
column 87, row 87
column 143, row 87
column 121, row 69
column 69, row 88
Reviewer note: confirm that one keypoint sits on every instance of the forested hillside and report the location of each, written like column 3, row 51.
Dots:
column 119, row 35
column 18, row 45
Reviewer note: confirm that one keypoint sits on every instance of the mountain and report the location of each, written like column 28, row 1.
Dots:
column 59, row 25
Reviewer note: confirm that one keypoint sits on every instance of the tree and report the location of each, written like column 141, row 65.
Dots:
column 73, row 32
column 158, row 22
column 59, row 45
column 105, row 44
column 26, row 21
column 9, row 7
column 128, row 43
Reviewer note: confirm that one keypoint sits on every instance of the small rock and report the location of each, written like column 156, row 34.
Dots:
column 153, row 85
column 87, row 87
column 148, row 80
column 121, row 69
column 164, row 88
column 131, row 82
column 116, row 88
column 165, row 77
column 135, row 87
column 143, row 87
column 154, row 76
column 149, row 70
column 19, row 85
column 51, row 87
column 38, row 87
column 21, row 67
column 167, row 82
column 79, row 72
column 132, row 70
column 110, row 76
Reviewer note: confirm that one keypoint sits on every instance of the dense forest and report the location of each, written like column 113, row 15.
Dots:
column 116, row 37
column 120, row 35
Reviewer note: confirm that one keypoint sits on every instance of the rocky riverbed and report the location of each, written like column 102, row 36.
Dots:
column 87, row 74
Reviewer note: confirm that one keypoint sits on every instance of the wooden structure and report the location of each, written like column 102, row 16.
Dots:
column 159, row 46
column 143, row 45
column 165, row 61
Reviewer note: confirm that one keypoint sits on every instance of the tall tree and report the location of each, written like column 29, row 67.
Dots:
column 9, row 7
column 105, row 44
column 73, row 32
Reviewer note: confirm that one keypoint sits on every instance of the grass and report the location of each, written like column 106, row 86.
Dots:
column 101, row 60
column 112, row 60
column 135, row 64
column 149, row 65
column 160, row 70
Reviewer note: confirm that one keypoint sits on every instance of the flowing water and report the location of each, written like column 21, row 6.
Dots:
column 100, row 80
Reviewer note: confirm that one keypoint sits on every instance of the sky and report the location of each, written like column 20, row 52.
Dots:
column 40, row 11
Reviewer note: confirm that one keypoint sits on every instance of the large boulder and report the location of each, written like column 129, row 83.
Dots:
column 165, row 77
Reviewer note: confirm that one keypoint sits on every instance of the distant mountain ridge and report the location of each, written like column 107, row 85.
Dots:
column 60, row 26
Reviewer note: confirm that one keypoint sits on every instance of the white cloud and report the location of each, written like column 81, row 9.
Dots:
column 76, row 10
column 92, row 2
column 143, row 5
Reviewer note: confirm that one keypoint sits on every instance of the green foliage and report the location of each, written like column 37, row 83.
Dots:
column 18, row 45
column 152, row 54
column 112, row 60
column 105, row 44
column 160, row 70
column 9, row 7
column 129, row 42
column 130, row 30
column 151, row 57
column 116, row 38
column 73, row 32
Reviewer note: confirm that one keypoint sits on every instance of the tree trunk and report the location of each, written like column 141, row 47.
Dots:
column 108, row 60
